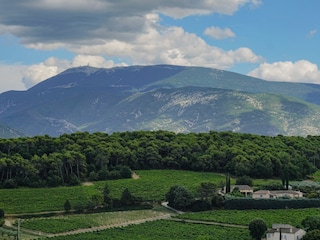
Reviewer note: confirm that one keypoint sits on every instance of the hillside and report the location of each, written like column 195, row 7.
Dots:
column 175, row 98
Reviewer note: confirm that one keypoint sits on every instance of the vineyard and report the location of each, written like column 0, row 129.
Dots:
column 151, row 185
column 164, row 230
column 243, row 217
column 80, row 221
column 30, row 200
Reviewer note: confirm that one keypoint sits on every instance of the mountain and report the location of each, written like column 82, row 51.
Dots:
column 175, row 98
column 8, row 132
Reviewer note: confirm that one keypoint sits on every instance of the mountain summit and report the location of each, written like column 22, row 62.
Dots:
column 175, row 98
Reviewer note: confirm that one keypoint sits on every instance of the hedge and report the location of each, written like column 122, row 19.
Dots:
column 245, row 203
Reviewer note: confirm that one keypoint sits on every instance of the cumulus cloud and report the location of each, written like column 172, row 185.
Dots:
column 11, row 76
column 299, row 71
column 172, row 46
column 218, row 33
column 37, row 73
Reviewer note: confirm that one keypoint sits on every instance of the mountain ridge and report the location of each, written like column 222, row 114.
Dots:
column 165, row 97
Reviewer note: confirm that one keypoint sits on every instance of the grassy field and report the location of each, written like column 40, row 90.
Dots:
column 164, row 230
column 244, row 217
column 151, row 185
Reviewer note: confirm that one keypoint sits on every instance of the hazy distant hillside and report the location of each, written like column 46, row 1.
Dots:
column 175, row 98
column 7, row 132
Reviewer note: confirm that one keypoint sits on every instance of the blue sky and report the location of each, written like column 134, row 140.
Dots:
column 277, row 40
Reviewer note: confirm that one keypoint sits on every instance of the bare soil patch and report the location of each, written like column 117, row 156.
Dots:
column 135, row 176
column 87, row 183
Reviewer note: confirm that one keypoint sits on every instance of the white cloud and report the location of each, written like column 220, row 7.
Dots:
column 203, row 7
column 37, row 73
column 171, row 46
column 218, row 33
column 177, row 47
column 11, row 76
column 300, row 71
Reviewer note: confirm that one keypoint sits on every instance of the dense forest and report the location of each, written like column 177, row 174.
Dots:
column 73, row 158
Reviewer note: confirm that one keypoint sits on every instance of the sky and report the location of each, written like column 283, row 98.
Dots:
column 276, row 40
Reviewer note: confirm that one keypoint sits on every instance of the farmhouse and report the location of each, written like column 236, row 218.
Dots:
column 266, row 194
column 287, row 232
column 244, row 189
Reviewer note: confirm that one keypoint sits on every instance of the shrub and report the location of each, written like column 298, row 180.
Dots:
column 257, row 228
column 199, row 205
column 67, row 206
column 273, row 186
column 179, row 197
column 312, row 235
column 1, row 213
column 311, row 223
column 245, row 203
column 10, row 183
column 217, row 201
column 127, row 198
column 80, row 207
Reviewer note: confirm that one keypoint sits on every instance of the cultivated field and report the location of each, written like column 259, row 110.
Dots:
column 69, row 223
column 139, row 224
column 151, row 185
column 165, row 230
column 244, row 217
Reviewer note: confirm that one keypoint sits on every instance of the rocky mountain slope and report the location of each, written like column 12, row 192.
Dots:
column 175, row 98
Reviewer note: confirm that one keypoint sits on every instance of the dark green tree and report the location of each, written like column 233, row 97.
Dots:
column 67, row 206
column 244, row 180
column 96, row 200
column 312, row 235
column 127, row 198
column 257, row 228
column 1, row 213
column 311, row 223
column 217, row 201
column 228, row 184
column 107, row 200
column 179, row 197
column 206, row 190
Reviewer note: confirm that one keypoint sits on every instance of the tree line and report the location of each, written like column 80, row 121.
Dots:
column 72, row 158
